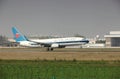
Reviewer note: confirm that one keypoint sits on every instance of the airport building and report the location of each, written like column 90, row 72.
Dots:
column 113, row 39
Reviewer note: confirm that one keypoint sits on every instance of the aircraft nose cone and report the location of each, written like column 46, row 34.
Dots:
column 87, row 41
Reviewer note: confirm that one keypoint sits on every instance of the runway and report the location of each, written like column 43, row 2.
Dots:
column 59, row 54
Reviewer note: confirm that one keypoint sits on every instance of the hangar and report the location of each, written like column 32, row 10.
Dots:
column 113, row 39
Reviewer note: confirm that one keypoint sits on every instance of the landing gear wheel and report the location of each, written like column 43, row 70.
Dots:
column 49, row 49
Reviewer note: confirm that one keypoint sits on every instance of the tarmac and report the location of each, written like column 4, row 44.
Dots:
column 60, row 54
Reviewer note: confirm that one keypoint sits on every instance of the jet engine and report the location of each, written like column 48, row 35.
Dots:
column 55, row 45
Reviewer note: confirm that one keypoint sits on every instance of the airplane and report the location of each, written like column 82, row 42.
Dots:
column 49, row 43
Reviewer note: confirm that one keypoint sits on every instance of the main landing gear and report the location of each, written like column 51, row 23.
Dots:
column 49, row 49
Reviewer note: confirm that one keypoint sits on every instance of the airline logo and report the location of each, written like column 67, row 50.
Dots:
column 17, row 35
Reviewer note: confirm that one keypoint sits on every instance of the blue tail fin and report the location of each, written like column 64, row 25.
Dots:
column 17, row 35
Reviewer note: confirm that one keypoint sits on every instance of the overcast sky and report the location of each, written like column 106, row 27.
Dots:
column 60, row 17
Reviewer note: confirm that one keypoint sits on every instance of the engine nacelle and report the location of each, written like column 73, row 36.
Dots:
column 55, row 45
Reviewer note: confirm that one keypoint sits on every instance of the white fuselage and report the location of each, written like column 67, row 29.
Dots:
column 29, row 44
column 62, row 41
column 54, row 42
